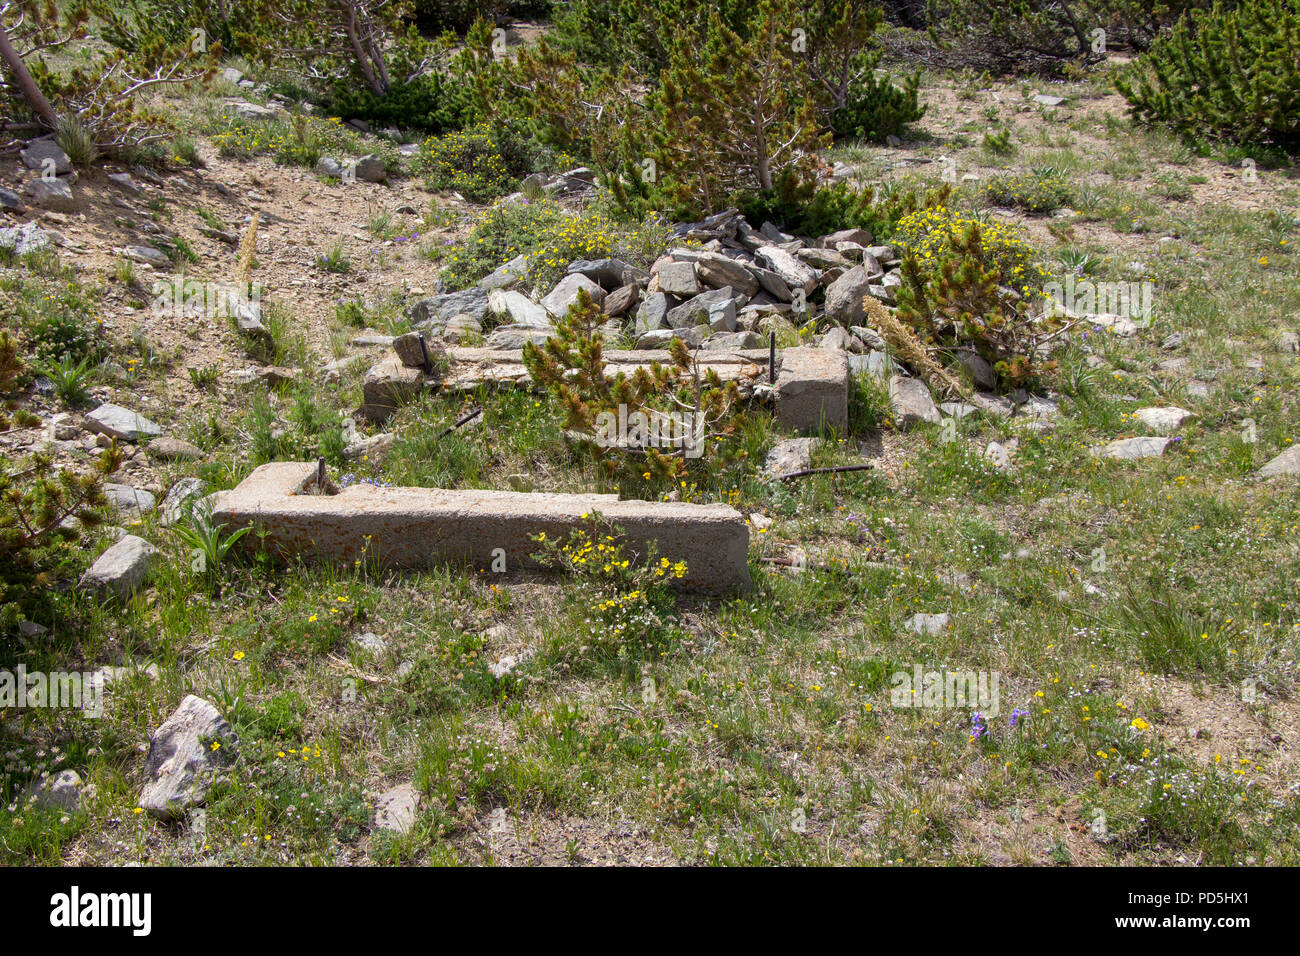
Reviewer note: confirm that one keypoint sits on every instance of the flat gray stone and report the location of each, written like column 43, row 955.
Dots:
column 653, row 313
column 734, row 341
column 514, row 336
column 51, row 193
column 506, row 276
column 43, row 154
column 1286, row 464
column 120, row 570
column 435, row 311
column 717, row 271
column 395, row 809
column 1131, row 448
column 148, row 255
column 678, row 278
column 173, row 449
column 126, row 498
column 792, row 272
column 696, row 310
column 121, row 423
column 660, row 338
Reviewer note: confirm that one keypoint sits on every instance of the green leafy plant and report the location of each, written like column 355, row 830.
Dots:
column 208, row 545
column 968, row 285
column 71, row 379
column 626, row 597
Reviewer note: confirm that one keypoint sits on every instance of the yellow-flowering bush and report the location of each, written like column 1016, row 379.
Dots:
column 969, row 285
column 628, row 596
column 469, row 162
column 551, row 237
column 927, row 235
column 1039, row 191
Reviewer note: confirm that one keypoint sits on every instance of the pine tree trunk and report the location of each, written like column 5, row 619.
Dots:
column 31, row 92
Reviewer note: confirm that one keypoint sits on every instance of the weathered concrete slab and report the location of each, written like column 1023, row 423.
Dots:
column 416, row 527
column 471, row 367
column 812, row 389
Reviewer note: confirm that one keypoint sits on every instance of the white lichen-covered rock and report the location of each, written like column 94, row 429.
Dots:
column 1131, row 448
column 1163, row 420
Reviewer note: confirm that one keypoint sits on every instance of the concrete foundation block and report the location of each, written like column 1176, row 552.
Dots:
column 416, row 527
column 812, row 389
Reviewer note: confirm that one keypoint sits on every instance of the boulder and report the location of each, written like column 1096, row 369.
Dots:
column 126, row 498
column 328, row 166
column 51, row 193
column 506, row 276
column 25, row 238
column 120, row 570
column 188, row 754
column 173, row 449
column 609, row 274
column 1286, row 464
column 370, row 169
column 413, row 350
column 653, row 312
column 678, row 278
column 718, row 271
column 844, row 297
column 1162, row 420
column 911, row 401
column 120, row 423
column 436, row 311
column 791, row 271
column 388, row 386
column 518, row 309
column 695, row 311
column 734, row 341
column 148, row 255
column 622, row 299
column 565, row 294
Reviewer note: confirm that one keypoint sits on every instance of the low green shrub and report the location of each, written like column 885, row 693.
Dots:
column 1229, row 73
column 1036, row 191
